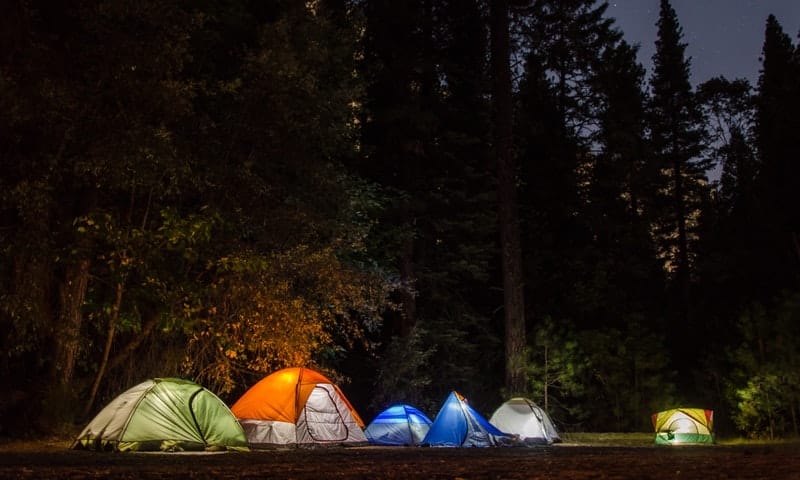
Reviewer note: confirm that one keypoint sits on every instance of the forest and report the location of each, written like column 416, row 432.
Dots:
column 488, row 196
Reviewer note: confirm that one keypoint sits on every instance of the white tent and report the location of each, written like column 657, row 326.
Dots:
column 522, row 417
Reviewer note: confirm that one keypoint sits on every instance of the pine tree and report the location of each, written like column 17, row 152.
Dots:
column 580, row 92
column 508, row 216
column 676, row 138
column 618, row 211
column 426, row 129
column 778, row 182
column 569, row 38
column 730, row 266
column 397, row 130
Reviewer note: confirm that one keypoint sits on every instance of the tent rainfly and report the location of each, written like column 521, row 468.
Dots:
column 459, row 425
column 163, row 414
column 400, row 425
column 523, row 418
column 298, row 406
column 684, row 425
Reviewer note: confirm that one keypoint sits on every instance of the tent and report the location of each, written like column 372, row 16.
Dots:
column 399, row 424
column 459, row 425
column 526, row 420
column 298, row 406
column 166, row 414
column 684, row 425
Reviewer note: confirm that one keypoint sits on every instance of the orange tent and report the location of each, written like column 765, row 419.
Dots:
column 297, row 405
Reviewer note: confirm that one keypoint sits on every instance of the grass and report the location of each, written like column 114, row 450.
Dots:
column 647, row 439
column 638, row 439
column 610, row 439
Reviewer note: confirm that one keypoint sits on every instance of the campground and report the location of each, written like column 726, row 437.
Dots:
column 589, row 456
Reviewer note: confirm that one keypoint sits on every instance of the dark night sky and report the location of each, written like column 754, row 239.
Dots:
column 724, row 37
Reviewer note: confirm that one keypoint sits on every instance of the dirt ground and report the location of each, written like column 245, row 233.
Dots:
column 562, row 461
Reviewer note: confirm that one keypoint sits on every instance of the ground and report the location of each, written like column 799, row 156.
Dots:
column 564, row 461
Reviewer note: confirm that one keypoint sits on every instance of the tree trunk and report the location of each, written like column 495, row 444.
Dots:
column 546, row 380
column 101, row 370
column 683, row 274
column 511, row 252
column 72, row 294
column 124, row 354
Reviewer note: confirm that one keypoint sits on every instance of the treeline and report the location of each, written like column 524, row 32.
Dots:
column 217, row 190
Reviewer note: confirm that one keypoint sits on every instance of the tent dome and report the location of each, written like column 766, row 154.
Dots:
column 166, row 414
column 399, row 424
column 521, row 417
column 297, row 406
column 684, row 425
column 459, row 425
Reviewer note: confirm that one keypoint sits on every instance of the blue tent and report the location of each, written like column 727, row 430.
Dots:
column 399, row 424
column 459, row 425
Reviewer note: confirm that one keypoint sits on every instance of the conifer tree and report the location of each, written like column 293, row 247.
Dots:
column 508, row 216
column 425, row 139
column 777, row 124
column 569, row 38
column 730, row 265
column 676, row 139
column 618, row 211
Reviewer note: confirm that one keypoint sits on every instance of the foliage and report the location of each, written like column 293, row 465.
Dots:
column 555, row 370
column 615, row 378
column 265, row 313
column 764, row 386
column 403, row 376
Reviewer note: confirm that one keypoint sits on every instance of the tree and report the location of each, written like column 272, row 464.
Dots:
column 579, row 84
column 398, row 126
column 618, row 208
column 762, row 387
column 729, row 271
column 728, row 108
column 92, row 132
column 292, row 279
column 425, row 139
column 508, row 217
column 776, row 125
column 178, row 190
column 676, row 137
column 569, row 38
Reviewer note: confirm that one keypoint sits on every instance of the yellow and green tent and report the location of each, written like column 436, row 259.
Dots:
column 684, row 426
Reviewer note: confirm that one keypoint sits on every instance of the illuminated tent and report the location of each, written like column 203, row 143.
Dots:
column 459, row 425
column 684, row 425
column 163, row 414
column 398, row 425
column 297, row 406
column 523, row 418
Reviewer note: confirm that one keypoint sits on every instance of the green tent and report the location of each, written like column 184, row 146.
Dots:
column 684, row 425
column 164, row 414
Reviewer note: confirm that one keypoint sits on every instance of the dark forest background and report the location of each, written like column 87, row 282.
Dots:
column 411, row 197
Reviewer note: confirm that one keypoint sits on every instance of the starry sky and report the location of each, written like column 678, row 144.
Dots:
column 723, row 37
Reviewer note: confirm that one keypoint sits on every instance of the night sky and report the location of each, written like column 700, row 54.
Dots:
column 724, row 37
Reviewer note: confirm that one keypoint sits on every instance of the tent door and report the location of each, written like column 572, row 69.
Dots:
column 323, row 418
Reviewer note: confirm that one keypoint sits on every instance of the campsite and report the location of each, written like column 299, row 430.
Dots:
column 297, row 424
column 410, row 239
column 619, row 458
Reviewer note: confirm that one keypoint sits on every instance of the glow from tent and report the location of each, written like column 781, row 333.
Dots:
column 397, row 414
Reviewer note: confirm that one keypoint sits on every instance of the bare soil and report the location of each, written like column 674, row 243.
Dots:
column 563, row 461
